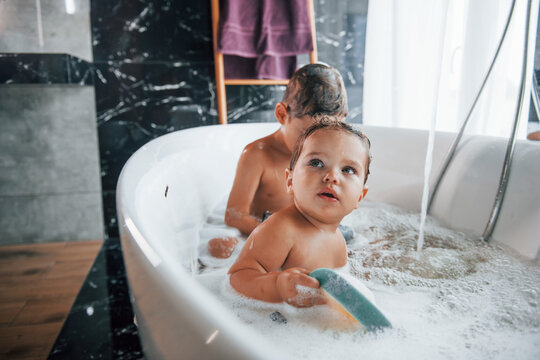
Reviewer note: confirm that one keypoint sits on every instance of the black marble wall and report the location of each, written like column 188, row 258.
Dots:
column 44, row 69
column 153, row 69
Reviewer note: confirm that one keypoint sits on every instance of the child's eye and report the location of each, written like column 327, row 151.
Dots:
column 315, row 163
column 349, row 170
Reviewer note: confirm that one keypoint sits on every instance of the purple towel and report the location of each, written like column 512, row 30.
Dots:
column 261, row 38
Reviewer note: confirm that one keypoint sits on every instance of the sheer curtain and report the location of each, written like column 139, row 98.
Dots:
column 427, row 57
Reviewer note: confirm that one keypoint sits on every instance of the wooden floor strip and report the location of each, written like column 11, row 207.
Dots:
column 30, row 340
column 10, row 310
column 38, row 285
column 43, row 311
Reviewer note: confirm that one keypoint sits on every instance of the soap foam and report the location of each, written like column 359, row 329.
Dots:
column 458, row 298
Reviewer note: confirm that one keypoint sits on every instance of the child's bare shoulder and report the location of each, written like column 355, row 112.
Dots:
column 253, row 156
column 282, row 224
column 261, row 148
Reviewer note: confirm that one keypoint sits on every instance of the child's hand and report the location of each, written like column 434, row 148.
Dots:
column 287, row 282
column 222, row 248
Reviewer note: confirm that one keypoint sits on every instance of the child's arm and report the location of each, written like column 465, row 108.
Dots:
column 256, row 272
column 276, row 286
column 246, row 182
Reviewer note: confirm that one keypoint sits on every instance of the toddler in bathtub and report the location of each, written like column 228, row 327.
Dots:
column 326, row 180
column 259, row 184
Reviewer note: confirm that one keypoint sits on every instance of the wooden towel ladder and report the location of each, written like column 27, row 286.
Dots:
column 221, row 82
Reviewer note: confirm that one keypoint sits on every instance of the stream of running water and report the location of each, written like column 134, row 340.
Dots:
column 433, row 124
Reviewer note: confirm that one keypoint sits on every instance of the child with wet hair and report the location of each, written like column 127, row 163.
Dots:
column 259, row 184
column 326, row 181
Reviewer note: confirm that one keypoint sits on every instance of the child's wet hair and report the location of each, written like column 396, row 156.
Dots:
column 316, row 89
column 330, row 123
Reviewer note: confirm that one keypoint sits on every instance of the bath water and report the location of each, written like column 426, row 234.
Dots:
column 458, row 298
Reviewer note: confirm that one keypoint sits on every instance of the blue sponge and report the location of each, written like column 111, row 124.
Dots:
column 356, row 303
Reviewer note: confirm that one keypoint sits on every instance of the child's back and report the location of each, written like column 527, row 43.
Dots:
column 258, row 179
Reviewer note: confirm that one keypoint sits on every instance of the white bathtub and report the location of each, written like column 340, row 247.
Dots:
column 168, row 187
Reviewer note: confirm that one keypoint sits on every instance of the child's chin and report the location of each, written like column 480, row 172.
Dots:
column 331, row 215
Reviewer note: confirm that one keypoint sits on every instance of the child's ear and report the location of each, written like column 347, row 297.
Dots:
column 363, row 195
column 281, row 113
column 288, row 177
